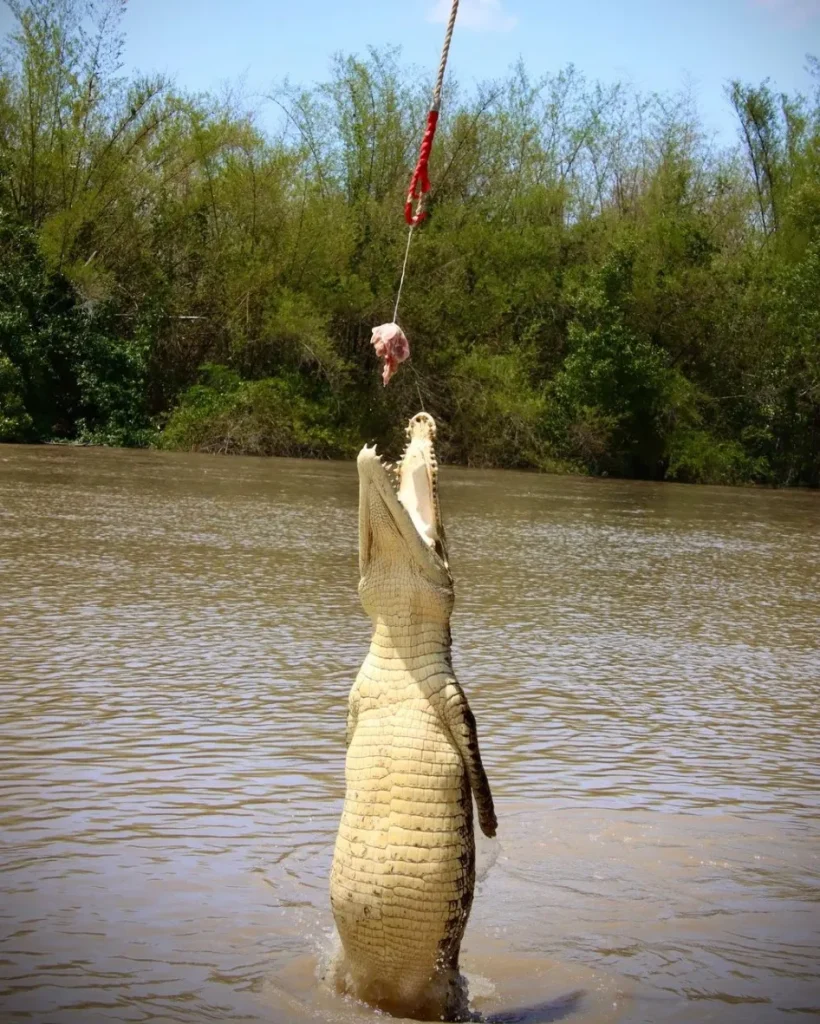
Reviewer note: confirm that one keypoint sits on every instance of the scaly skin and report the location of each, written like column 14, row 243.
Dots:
column 404, row 865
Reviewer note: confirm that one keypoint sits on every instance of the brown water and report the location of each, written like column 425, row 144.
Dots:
column 177, row 638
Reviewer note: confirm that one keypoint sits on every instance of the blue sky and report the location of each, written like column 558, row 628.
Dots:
column 656, row 44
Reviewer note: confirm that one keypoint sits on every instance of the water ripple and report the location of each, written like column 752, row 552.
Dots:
column 177, row 638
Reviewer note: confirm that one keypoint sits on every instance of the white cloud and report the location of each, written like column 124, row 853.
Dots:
column 479, row 15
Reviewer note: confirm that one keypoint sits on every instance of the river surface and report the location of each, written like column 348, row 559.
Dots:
column 178, row 635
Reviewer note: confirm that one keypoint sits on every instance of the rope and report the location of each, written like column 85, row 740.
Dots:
column 448, row 38
column 420, row 181
column 403, row 272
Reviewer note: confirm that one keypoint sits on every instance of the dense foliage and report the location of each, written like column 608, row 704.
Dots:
column 599, row 286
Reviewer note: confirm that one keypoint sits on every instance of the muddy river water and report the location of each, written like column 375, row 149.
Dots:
column 178, row 635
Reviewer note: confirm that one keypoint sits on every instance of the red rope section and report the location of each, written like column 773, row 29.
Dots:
column 420, row 182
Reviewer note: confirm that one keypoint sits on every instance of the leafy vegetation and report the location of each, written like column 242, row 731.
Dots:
column 272, row 416
column 599, row 288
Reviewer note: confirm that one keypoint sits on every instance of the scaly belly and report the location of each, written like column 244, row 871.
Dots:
column 403, row 868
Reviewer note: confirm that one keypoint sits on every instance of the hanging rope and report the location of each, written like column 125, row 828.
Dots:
column 403, row 272
column 389, row 339
column 420, row 182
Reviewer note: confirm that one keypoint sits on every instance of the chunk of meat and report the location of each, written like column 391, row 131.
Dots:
column 392, row 346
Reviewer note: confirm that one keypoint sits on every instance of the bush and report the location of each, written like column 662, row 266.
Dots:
column 15, row 422
column 66, row 371
column 498, row 414
column 606, row 401
column 791, row 386
column 696, row 457
column 272, row 416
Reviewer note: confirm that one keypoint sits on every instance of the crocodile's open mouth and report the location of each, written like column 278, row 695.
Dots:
column 399, row 505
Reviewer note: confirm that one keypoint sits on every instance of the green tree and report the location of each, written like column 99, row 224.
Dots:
column 599, row 286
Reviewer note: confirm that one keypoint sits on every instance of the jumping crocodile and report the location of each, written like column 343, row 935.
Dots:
column 404, row 864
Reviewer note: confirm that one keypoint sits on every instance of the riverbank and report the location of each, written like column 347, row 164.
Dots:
column 210, row 441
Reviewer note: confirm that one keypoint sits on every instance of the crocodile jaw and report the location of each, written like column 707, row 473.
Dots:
column 399, row 515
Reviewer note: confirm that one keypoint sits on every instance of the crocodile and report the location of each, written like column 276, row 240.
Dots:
column 403, row 870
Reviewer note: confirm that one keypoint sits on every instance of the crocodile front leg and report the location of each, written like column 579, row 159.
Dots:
column 461, row 723
column 352, row 713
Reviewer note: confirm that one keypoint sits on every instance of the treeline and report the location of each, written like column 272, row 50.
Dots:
column 599, row 287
